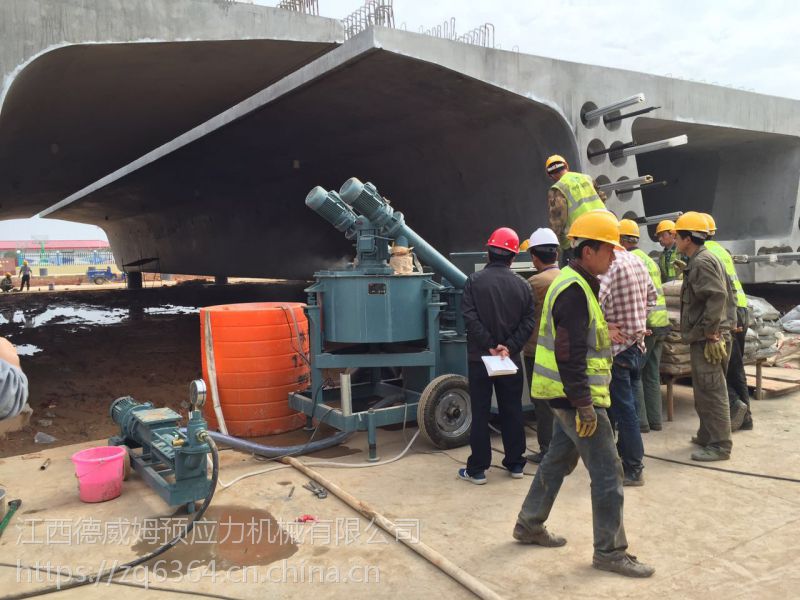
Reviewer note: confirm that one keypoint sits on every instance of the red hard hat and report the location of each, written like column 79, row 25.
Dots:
column 504, row 238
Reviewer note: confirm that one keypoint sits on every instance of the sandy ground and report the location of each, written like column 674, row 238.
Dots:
column 711, row 535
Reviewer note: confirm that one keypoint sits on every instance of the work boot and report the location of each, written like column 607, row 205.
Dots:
column 656, row 426
column 748, row 423
column 644, row 428
column 540, row 537
column 710, row 454
column 535, row 457
column 738, row 413
column 633, row 479
column 627, row 565
column 696, row 441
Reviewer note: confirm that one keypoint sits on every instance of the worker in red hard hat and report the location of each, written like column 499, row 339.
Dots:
column 571, row 195
column 498, row 313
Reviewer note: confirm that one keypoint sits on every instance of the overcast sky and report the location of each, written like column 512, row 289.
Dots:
column 744, row 43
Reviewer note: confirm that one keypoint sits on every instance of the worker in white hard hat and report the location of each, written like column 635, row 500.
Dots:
column 543, row 247
column 571, row 195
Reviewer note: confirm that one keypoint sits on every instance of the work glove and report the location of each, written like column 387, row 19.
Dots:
column 679, row 264
column 585, row 421
column 715, row 352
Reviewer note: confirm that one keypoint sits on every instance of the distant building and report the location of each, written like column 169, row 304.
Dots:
column 58, row 252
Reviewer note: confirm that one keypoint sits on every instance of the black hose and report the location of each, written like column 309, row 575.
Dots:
column 734, row 472
column 110, row 573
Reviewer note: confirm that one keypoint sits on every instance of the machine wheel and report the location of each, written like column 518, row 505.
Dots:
column 99, row 280
column 444, row 414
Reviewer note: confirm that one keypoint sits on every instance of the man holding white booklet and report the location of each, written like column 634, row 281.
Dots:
column 499, row 317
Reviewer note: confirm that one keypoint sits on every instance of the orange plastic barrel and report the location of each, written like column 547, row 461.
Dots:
column 260, row 355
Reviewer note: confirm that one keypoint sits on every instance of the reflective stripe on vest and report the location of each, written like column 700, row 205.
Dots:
column 581, row 196
column 727, row 262
column 546, row 381
column 656, row 315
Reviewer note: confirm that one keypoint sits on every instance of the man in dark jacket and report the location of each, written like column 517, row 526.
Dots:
column 499, row 316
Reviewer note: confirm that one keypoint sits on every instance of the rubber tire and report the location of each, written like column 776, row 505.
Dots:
column 426, row 411
column 100, row 280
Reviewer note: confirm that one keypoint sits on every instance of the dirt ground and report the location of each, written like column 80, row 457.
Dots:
column 97, row 344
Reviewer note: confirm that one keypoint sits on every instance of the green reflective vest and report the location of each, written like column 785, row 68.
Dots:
column 656, row 315
column 727, row 262
column 666, row 263
column 546, row 383
column 581, row 196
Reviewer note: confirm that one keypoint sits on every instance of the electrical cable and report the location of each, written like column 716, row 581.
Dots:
column 732, row 471
column 110, row 573
column 141, row 586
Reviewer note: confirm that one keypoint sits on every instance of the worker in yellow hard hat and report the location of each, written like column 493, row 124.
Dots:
column 25, row 276
column 707, row 315
column 649, row 387
column 738, row 394
column 665, row 234
column 571, row 195
column 6, row 284
column 572, row 371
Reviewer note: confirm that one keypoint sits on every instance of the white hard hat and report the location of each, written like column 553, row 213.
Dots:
column 543, row 237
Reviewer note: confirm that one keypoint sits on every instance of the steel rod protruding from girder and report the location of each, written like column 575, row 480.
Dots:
column 610, row 187
column 636, row 113
column 604, row 110
column 672, row 142
column 654, row 219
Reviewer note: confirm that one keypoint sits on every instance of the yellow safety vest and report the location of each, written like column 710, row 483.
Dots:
column 656, row 315
column 727, row 262
column 668, row 270
column 581, row 196
column 547, row 384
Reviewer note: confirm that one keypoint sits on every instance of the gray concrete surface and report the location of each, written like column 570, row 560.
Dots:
column 711, row 535
column 456, row 136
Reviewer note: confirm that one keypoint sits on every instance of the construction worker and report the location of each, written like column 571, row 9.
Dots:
column 665, row 233
column 626, row 293
column 13, row 382
column 707, row 313
column 25, row 276
column 738, row 394
column 571, row 195
column 543, row 246
column 498, row 314
column 649, row 387
column 6, row 284
column 572, row 371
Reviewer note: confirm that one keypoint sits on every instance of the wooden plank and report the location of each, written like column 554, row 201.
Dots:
column 772, row 387
column 777, row 373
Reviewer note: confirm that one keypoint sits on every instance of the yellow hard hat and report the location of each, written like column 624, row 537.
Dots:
column 712, row 224
column 600, row 225
column 555, row 163
column 24, row 262
column 692, row 221
column 629, row 227
column 665, row 225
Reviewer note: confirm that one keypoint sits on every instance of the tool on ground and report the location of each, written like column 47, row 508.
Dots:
column 44, row 465
column 291, row 493
column 172, row 462
column 316, row 489
column 13, row 505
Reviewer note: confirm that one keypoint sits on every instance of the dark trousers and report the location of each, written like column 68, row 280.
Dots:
column 625, row 374
column 26, row 280
column 544, row 414
column 710, row 400
column 508, row 391
column 735, row 376
column 605, row 472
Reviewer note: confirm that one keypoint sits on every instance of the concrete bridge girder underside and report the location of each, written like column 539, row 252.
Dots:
column 456, row 137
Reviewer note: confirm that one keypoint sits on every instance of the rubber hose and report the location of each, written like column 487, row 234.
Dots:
column 143, row 559
column 307, row 448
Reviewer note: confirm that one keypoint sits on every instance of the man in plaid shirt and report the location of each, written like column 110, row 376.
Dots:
column 626, row 292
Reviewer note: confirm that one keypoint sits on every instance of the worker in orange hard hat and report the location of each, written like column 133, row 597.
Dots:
column 498, row 314
column 25, row 276
column 665, row 234
column 571, row 195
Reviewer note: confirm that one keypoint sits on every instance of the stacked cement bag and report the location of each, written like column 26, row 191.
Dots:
column 791, row 320
column 766, row 325
column 675, row 356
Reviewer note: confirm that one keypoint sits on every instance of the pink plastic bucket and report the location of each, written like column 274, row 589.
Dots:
column 99, row 472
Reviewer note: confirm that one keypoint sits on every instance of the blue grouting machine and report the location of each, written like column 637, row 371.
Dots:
column 400, row 337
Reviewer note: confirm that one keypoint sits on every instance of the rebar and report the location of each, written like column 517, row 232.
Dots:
column 480, row 36
column 308, row 7
column 374, row 12
column 635, row 113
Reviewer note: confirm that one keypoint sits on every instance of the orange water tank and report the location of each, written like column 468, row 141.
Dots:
column 260, row 355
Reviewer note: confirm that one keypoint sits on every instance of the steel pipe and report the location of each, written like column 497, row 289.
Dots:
column 608, row 150
column 604, row 110
column 642, row 187
column 654, row 219
column 672, row 142
column 635, row 113
column 610, row 187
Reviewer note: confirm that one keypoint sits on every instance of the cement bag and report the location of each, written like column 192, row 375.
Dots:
column 763, row 309
column 674, row 337
column 670, row 369
column 792, row 326
column 673, row 301
column 676, row 359
column 767, row 331
column 672, row 288
column 675, row 348
column 792, row 315
column 750, row 335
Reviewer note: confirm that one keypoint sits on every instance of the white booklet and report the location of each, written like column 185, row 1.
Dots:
column 497, row 365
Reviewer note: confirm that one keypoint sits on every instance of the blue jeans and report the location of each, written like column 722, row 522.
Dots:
column 625, row 374
column 605, row 472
